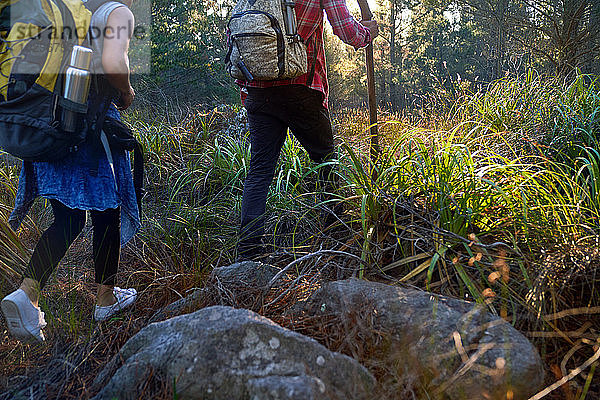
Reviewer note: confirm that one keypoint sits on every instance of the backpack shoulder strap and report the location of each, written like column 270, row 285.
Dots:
column 138, row 174
column 98, row 107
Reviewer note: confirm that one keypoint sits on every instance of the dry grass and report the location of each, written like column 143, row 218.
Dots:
column 354, row 334
column 66, row 366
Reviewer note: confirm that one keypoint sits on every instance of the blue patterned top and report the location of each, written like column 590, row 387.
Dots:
column 69, row 181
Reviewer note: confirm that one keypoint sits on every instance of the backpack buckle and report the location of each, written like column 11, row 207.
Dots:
column 295, row 38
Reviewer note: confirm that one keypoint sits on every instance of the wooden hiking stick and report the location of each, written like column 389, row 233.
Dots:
column 366, row 15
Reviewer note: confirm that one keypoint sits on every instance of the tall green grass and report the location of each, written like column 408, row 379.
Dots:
column 510, row 174
column 489, row 200
column 515, row 165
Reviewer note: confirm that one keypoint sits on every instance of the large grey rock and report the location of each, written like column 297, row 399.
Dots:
column 225, row 353
column 190, row 303
column 245, row 273
column 242, row 284
column 457, row 349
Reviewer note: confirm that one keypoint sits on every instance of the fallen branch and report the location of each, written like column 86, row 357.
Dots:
column 567, row 378
column 309, row 256
column 572, row 311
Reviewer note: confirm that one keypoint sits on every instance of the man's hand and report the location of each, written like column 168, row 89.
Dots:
column 372, row 27
column 126, row 99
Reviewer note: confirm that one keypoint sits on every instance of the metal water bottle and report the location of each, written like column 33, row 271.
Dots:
column 290, row 17
column 77, row 87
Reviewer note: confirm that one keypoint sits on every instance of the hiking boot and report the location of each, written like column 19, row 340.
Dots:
column 125, row 298
column 25, row 321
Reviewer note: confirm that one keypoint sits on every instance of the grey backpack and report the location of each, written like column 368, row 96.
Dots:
column 263, row 43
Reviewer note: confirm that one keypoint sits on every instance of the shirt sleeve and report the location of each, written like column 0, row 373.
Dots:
column 348, row 29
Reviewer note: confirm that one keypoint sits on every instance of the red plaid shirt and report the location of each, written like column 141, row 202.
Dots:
column 309, row 15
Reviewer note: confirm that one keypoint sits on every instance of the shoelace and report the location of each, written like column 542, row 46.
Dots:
column 121, row 295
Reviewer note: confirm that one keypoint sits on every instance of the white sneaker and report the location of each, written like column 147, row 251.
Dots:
column 125, row 298
column 25, row 321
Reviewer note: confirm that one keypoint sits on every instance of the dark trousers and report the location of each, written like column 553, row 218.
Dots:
column 271, row 111
column 65, row 228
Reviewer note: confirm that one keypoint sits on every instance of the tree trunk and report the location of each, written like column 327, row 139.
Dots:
column 501, row 14
column 568, row 54
column 393, row 97
column 593, row 66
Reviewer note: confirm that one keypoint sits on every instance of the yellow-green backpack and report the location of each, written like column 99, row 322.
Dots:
column 36, row 39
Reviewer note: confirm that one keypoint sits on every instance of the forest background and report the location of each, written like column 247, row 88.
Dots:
column 424, row 47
